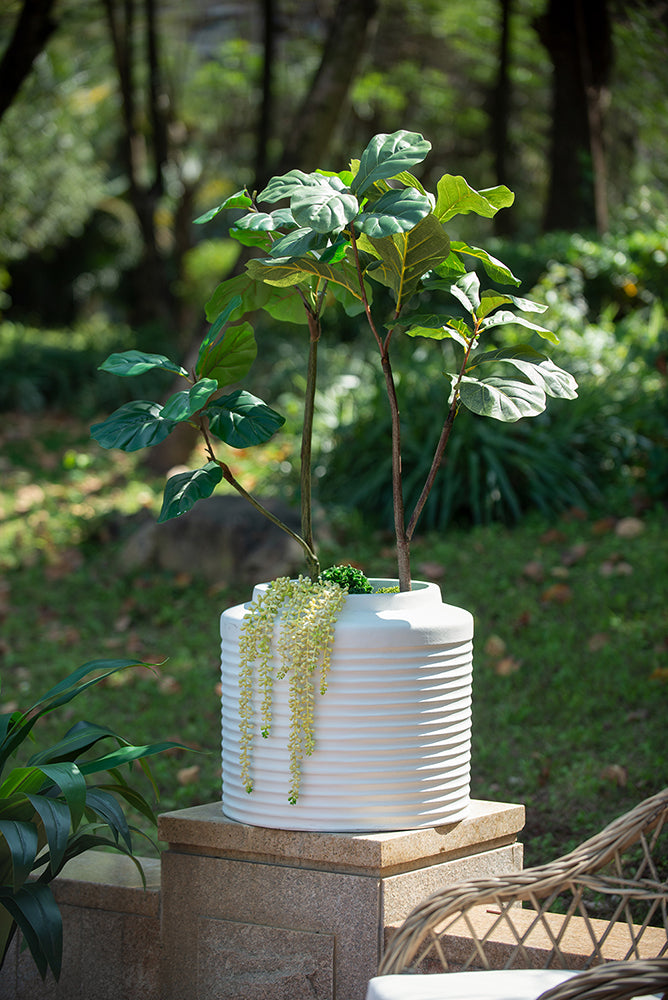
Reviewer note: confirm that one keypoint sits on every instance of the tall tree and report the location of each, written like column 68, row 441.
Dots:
column 578, row 37
column 314, row 123
column 144, row 143
column 500, row 117
column 34, row 27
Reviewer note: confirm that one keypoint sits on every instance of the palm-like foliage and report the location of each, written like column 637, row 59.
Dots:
column 49, row 813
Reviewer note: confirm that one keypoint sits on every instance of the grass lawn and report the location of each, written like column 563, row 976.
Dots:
column 571, row 655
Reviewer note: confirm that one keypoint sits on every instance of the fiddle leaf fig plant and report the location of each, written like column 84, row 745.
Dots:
column 50, row 812
column 334, row 238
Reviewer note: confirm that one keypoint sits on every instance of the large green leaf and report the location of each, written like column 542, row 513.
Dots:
column 23, row 844
column 394, row 212
column 186, row 488
column 501, row 398
column 234, row 298
column 138, row 362
column 287, row 184
column 292, row 270
column 504, row 317
column 326, row 207
column 228, row 358
column 496, row 269
column 182, row 405
column 107, row 807
column 467, row 291
column 405, row 257
column 135, row 425
column 456, row 197
column 79, row 738
column 386, row 156
column 491, row 300
column 439, row 328
column 37, row 914
column 239, row 199
column 241, row 419
column 126, row 755
column 266, row 221
column 298, row 243
column 55, row 817
column 537, row 368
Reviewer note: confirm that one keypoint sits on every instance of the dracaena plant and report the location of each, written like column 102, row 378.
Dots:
column 50, row 810
column 334, row 237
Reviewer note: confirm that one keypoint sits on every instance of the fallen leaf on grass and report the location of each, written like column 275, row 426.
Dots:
column 67, row 561
column 659, row 674
column 432, row 570
column 506, row 666
column 534, row 570
column 495, row 646
column 558, row 593
column 188, row 775
column 574, row 554
column 523, row 620
column 616, row 773
column 57, row 632
column 615, row 566
column 597, row 641
column 168, row 685
column 603, row 526
column 552, row 535
column 629, row 527
column 561, row 572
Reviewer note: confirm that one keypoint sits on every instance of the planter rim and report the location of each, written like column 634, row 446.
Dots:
column 422, row 593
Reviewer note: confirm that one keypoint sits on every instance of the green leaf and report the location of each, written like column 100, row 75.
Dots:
column 242, row 420
column 503, row 399
column 394, row 212
column 297, row 243
column 107, row 807
column 506, row 318
column 292, row 270
column 229, row 357
column 182, row 405
column 79, row 738
column 23, row 844
column 245, row 292
column 406, row 257
column 324, row 207
column 535, row 366
column 496, row 269
column 186, row 488
column 55, row 817
column 126, row 754
column 239, row 199
column 266, row 221
column 135, row 425
column 37, row 914
column 138, row 362
column 287, row 184
column 435, row 329
column 456, row 197
column 387, row 155
column 491, row 300
column 467, row 291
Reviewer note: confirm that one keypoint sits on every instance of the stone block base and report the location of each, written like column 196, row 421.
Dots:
column 250, row 913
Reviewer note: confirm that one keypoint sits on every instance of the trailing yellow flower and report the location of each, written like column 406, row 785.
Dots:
column 307, row 612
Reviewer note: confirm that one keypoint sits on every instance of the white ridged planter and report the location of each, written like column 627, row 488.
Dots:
column 393, row 730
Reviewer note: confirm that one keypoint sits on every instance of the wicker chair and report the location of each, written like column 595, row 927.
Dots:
column 605, row 902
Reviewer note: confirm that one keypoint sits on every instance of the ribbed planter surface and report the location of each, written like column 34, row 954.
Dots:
column 393, row 730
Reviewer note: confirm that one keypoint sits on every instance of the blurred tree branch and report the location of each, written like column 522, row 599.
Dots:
column 33, row 29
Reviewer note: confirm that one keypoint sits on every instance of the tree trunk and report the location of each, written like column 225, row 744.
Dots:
column 33, row 30
column 577, row 35
column 500, row 118
column 316, row 119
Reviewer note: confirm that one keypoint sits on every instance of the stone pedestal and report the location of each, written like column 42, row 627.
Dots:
column 250, row 913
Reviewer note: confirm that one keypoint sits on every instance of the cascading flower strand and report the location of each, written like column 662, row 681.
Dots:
column 308, row 612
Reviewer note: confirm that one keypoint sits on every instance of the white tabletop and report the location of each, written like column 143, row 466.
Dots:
column 510, row 984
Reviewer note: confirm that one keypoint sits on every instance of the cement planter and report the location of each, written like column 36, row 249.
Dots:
column 393, row 731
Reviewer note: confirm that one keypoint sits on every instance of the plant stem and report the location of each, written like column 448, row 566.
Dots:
column 228, row 476
column 442, row 442
column 305, row 484
column 401, row 536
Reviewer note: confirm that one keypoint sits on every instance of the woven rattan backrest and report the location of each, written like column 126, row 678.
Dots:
column 606, row 900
